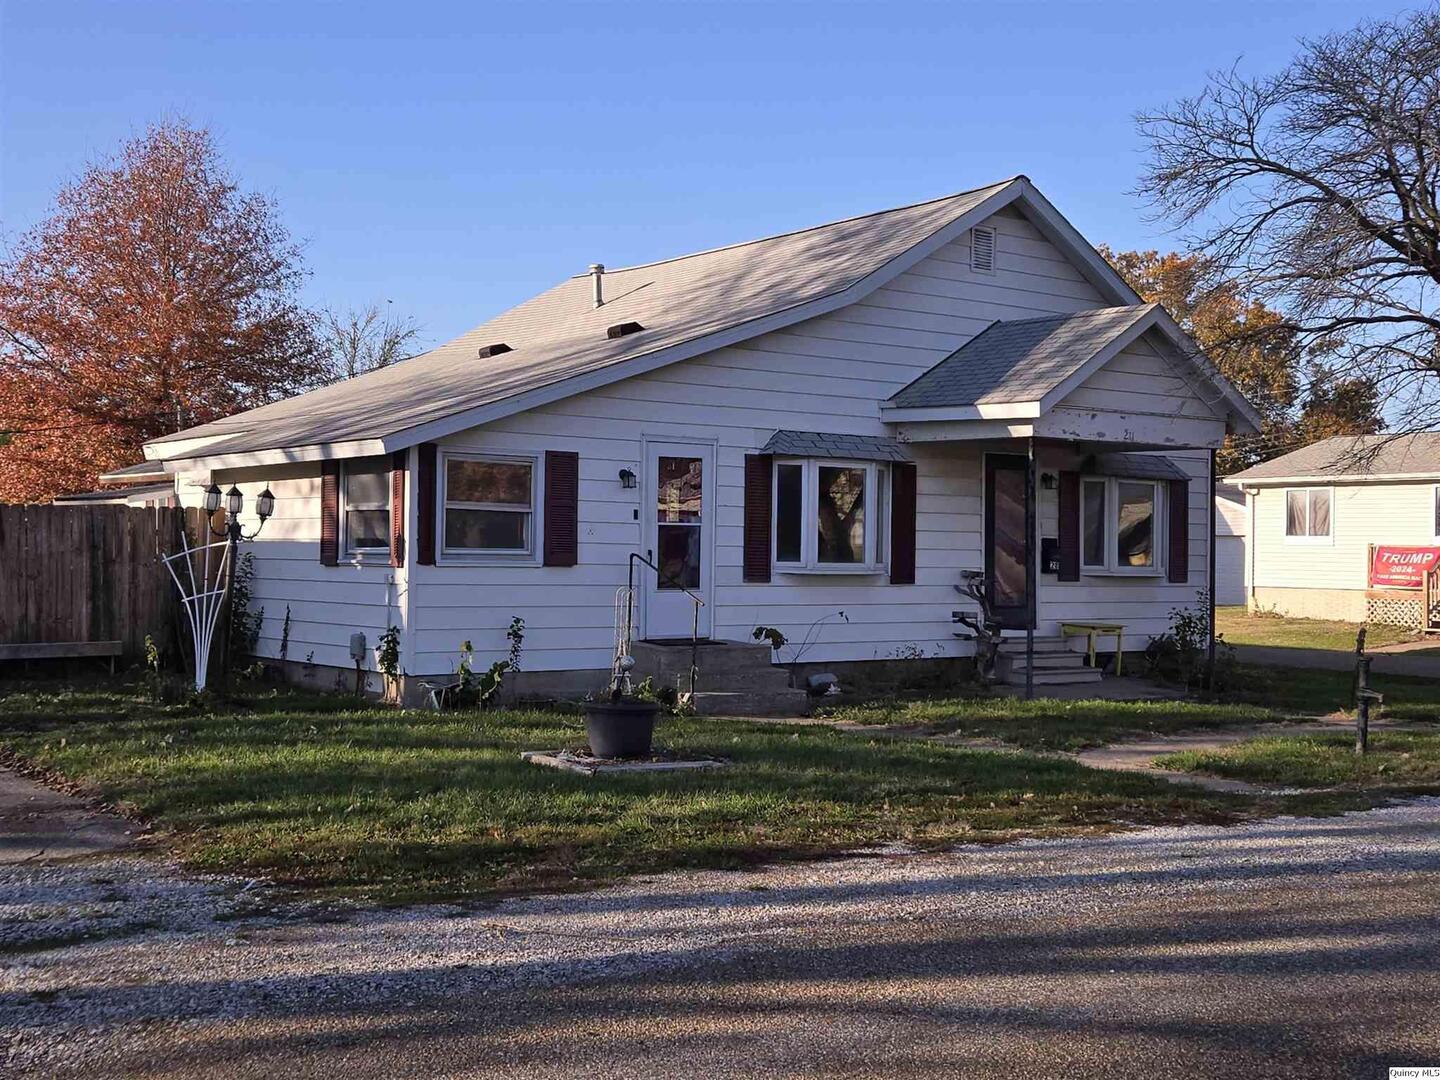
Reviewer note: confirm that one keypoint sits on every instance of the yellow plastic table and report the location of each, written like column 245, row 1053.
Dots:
column 1093, row 630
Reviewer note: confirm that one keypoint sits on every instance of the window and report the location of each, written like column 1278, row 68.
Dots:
column 1307, row 513
column 829, row 515
column 1120, row 525
column 367, row 505
column 489, row 505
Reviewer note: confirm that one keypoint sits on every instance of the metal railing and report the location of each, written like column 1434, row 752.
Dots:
column 625, row 627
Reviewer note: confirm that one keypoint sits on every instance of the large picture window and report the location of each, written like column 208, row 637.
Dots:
column 829, row 515
column 1120, row 525
column 1307, row 513
column 367, row 505
column 489, row 505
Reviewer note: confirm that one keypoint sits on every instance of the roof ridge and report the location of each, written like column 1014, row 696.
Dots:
column 808, row 228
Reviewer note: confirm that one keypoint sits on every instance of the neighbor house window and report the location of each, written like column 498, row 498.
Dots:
column 1120, row 525
column 1437, row 512
column 1307, row 513
column 367, row 505
column 829, row 515
column 489, row 505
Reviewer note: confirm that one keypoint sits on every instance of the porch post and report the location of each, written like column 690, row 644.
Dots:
column 1210, row 556
column 1032, row 583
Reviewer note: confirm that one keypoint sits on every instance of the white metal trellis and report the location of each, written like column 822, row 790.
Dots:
column 623, row 660
column 203, row 600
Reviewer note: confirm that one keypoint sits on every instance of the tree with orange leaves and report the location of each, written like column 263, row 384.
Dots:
column 156, row 296
column 1299, row 395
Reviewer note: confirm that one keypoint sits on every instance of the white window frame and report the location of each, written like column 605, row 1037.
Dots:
column 1324, row 539
column 530, row 555
column 877, row 517
column 1112, row 567
column 364, row 554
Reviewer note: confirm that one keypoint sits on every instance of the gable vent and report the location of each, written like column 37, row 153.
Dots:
column 619, row 330
column 493, row 350
column 982, row 250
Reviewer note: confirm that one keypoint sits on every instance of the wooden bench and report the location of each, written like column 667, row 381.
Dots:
column 63, row 650
column 1093, row 631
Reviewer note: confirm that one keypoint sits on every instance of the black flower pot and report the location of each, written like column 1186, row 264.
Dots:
column 620, row 729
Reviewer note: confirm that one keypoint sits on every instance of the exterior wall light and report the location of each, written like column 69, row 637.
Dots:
column 627, row 478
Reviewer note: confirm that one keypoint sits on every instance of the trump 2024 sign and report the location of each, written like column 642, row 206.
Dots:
column 1396, row 567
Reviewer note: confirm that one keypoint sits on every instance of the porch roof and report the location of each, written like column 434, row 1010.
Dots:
column 1020, row 360
column 822, row 444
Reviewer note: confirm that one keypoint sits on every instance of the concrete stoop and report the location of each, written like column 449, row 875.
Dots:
column 1055, row 663
column 734, row 678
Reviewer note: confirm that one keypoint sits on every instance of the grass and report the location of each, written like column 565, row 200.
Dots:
column 409, row 805
column 1239, row 627
column 1395, row 759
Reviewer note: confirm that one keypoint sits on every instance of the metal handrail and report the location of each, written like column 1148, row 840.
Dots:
column 662, row 576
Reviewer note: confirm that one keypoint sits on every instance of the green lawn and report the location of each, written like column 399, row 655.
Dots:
column 1239, row 627
column 1251, row 695
column 1394, row 759
column 407, row 805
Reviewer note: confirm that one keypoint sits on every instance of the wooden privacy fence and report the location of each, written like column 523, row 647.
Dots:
column 87, row 573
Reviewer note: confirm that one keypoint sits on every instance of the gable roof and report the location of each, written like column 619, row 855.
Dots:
column 559, row 345
column 1353, row 458
column 1019, row 359
column 1024, row 367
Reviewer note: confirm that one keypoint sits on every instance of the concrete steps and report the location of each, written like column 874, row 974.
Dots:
column 1055, row 664
column 733, row 678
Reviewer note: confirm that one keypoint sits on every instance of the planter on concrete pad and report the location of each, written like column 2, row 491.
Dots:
column 620, row 729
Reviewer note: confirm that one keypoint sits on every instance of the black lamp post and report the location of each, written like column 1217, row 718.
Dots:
column 233, row 534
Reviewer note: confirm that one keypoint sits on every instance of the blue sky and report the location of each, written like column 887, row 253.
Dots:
column 455, row 158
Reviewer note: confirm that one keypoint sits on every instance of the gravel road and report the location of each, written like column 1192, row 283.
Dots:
column 1292, row 947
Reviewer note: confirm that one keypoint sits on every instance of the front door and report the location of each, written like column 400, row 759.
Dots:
column 1006, row 582
column 679, row 503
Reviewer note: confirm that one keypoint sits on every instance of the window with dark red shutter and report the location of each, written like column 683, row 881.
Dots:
column 425, row 505
column 329, row 513
column 902, row 523
column 1069, row 526
column 562, row 508
column 1179, row 506
column 759, row 476
column 398, row 465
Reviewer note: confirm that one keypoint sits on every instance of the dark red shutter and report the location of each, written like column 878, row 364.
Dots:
column 759, row 478
column 1179, row 500
column 329, row 512
column 902, row 524
column 397, row 507
column 1069, row 526
column 562, row 508
column 425, row 506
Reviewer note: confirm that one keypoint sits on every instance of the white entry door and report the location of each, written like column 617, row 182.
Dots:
column 679, row 510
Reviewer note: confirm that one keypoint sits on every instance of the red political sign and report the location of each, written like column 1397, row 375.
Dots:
column 1394, row 566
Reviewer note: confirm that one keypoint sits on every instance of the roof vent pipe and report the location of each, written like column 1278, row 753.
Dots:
column 597, row 271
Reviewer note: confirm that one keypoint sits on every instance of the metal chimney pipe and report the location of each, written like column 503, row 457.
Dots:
column 597, row 271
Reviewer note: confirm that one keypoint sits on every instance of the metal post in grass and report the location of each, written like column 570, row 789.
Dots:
column 1363, row 694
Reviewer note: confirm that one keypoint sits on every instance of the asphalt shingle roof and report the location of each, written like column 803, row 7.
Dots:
column 559, row 334
column 1353, row 457
column 1018, row 360
column 821, row 444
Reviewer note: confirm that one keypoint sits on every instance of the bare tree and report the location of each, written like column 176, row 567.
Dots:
column 361, row 340
column 1314, row 190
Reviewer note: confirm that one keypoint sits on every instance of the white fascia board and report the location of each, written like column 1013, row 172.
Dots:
column 648, row 362
column 1002, row 410
column 281, row 456
column 963, row 431
column 165, row 449
column 1327, row 480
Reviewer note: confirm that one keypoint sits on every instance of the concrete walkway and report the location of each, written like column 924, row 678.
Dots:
column 1393, row 661
column 39, row 824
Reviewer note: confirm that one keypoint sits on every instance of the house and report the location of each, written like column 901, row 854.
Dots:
column 1232, row 558
column 815, row 432
column 144, row 484
column 1346, row 528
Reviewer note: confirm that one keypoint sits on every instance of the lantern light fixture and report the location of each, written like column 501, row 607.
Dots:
column 212, row 498
column 627, row 478
column 265, row 504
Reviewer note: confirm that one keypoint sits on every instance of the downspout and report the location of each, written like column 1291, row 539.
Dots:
column 1031, row 577
column 1210, row 555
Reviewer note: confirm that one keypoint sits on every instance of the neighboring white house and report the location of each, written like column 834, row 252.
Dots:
column 1232, row 556
column 1321, row 516
column 831, row 420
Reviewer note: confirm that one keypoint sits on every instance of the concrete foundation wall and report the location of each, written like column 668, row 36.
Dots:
column 1347, row 605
